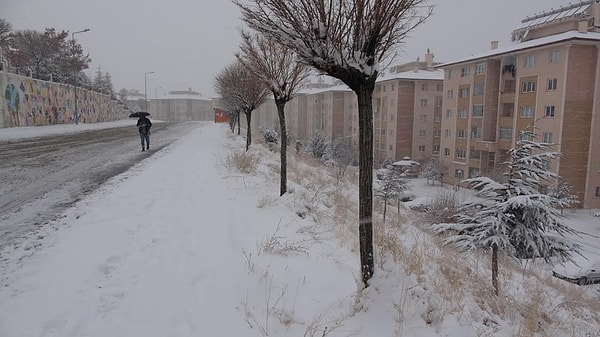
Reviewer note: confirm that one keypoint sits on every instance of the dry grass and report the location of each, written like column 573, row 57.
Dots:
column 455, row 282
column 241, row 161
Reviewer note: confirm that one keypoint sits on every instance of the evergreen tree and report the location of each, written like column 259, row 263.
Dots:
column 391, row 186
column 516, row 217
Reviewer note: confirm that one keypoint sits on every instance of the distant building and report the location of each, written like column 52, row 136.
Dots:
column 407, row 114
column 181, row 106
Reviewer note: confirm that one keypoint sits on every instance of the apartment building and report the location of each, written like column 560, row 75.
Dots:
column 407, row 112
column 548, row 80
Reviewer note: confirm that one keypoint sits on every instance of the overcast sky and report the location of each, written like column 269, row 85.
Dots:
column 187, row 42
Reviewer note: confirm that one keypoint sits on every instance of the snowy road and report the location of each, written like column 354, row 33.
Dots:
column 42, row 176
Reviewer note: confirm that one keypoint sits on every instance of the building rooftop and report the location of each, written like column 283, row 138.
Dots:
column 571, row 12
column 435, row 74
column 520, row 46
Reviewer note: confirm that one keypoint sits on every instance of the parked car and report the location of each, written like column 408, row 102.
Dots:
column 583, row 272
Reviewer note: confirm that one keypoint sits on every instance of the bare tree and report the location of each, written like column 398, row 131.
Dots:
column 276, row 66
column 5, row 37
column 240, row 91
column 350, row 40
column 343, row 154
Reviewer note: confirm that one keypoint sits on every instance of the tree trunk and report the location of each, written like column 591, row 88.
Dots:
column 384, row 208
column 495, row 269
column 283, row 151
column 365, row 180
column 248, row 132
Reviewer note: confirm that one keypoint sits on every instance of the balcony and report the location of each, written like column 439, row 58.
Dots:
column 486, row 146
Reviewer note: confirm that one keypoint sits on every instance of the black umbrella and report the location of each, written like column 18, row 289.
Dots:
column 138, row 114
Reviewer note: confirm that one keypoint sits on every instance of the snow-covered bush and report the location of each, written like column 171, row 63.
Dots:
column 271, row 136
column 317, row 145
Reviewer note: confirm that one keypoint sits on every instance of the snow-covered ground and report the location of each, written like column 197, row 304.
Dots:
column 181, row 245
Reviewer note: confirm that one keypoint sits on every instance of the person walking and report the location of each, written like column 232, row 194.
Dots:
column 144, row 125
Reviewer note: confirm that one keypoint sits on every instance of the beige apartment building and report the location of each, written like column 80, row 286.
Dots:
column 407, row 105
column 548, row 80
column 407, row 112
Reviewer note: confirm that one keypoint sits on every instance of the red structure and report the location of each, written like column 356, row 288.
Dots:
column 221, row 116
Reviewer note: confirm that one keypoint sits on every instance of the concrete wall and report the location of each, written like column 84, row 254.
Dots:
column 29, row 102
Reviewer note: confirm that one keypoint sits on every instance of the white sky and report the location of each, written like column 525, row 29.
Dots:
column 175, row 247
column 187, row 42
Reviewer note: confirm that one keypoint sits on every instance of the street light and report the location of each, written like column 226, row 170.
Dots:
column 146, row 89
column 156, row 100
column 76, row 115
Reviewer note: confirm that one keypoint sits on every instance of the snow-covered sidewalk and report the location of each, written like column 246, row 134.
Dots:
column 166, row 249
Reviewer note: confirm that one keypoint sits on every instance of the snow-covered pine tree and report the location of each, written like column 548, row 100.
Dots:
column 391, row 186
column 563, row 191
column 515, row 217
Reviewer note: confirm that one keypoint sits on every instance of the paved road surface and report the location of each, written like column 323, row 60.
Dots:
column 40, row 177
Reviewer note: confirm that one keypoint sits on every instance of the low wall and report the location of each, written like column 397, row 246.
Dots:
column 29, row 102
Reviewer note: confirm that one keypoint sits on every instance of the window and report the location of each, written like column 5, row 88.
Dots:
column 383, row 132
column 437, row 133
column 478, row 89
column 459, row 174
column 391, row 147
column 597, row 191
column 423, row 102
column 421, row 148
column 474, row 154
column 552, row 82
column 525, row 136
column 464, row 72
column 449, row 74
column 436, row 148
column 438, row 102
column 424, row 87
column 440, row 87
column 476, row 132
column 437, row 118
column 549, row 111
column 448, row 113
column 547, row 137
column 463, row 113
column 446, row 151
column 422, row 133
column 505, row 133
column 422, row 118
column 461, row 154
column 464, row 93
column 477, row 110
column 461, row 134
column 473, row 172
column 529, row 61
column 448, row 133
column 526, row 112
column 450, row 93
column 554, row 56
column 480, row 68
column 507, row 109
column 528, row 86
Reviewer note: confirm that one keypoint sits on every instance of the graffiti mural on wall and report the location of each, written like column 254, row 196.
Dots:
column 30, row 102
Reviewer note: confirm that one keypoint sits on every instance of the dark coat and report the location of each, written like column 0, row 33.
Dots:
column 144, row 125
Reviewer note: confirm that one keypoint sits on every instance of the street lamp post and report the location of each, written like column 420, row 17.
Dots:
column 156, row 100
column 76, row 115
column 146, row 89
